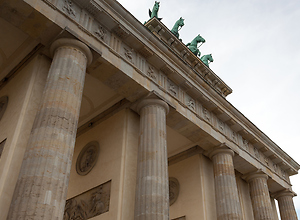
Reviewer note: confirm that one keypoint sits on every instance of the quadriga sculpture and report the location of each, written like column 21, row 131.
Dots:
column 154, row 12
column 193, row 46
column 206, row 58
column 177, row 26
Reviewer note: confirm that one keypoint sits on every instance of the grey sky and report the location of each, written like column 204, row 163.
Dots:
column 256, row 51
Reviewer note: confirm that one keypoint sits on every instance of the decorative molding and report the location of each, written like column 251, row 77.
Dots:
column 89, row 204
column 87, row 158
column 172, row 88
column 128, row 54
column 151, row 73
column 68, row 8
column 100, row 32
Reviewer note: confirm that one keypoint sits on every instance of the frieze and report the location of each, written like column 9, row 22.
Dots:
column 206, row 114
column 141, row 63
column 151, row 73
column 129, row 53
column 191, row 104
column 86, row 21
column 221, row 125
column 256, row 153
column 68, row 8
column 246, row 144
column 100, row 33
column 172, row 88
column 234, row 136
column 87, row 158
column 89, row 204
column 267, row 161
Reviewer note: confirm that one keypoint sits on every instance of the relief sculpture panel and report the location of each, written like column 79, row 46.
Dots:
column 88, row 204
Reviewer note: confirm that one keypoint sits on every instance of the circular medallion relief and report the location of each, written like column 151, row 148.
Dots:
column 173, row 190
column 3, row 105
column 87, row 158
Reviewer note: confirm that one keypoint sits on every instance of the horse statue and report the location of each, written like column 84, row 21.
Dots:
column 176, row 27
column 193, row 46
column 154, row 11
column 207, row 58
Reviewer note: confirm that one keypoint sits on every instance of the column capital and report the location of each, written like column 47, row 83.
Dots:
column 68, row 42
column 152, row 101
column 222, row 148
column 254, row 175
column 285, row 192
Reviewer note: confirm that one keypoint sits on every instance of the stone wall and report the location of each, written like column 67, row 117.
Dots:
column 24, row 92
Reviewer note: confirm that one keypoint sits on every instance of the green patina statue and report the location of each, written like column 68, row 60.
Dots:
column 154, row 11
column 193, row 46
column 176, row 27
column 207, row 58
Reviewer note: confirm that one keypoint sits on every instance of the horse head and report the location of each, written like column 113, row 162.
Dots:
column 209, row 57
column 199, row 39
column 156, row 6
column 180, row 22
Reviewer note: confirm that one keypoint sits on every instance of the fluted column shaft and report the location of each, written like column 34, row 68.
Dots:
column 152, row 192
column 260, row 196
column 286, row 205
column 42, row 185
column 227, row 199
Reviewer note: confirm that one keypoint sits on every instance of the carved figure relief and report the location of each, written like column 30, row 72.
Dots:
column 234, row 136
column 221, row 125
column 74, row 210
column 172, row 88
column 87, row 158
column 246, row 144
column 151, row 73
column 174, row 188
column 267, row 161
column 191, row 104
column 3, row 105
column 256, row 152
column 68, row 8
column 100, row 32
column 128, row 54
column 275, row 168
column 88, row 204
column 206, row 114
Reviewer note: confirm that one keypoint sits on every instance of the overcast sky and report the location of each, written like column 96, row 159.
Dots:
column 256, row 50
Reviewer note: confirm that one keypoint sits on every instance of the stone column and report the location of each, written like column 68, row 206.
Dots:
column 260, row 196
column 227, row 198
column 42, row 185
column 152, row 189
column 286, row 205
